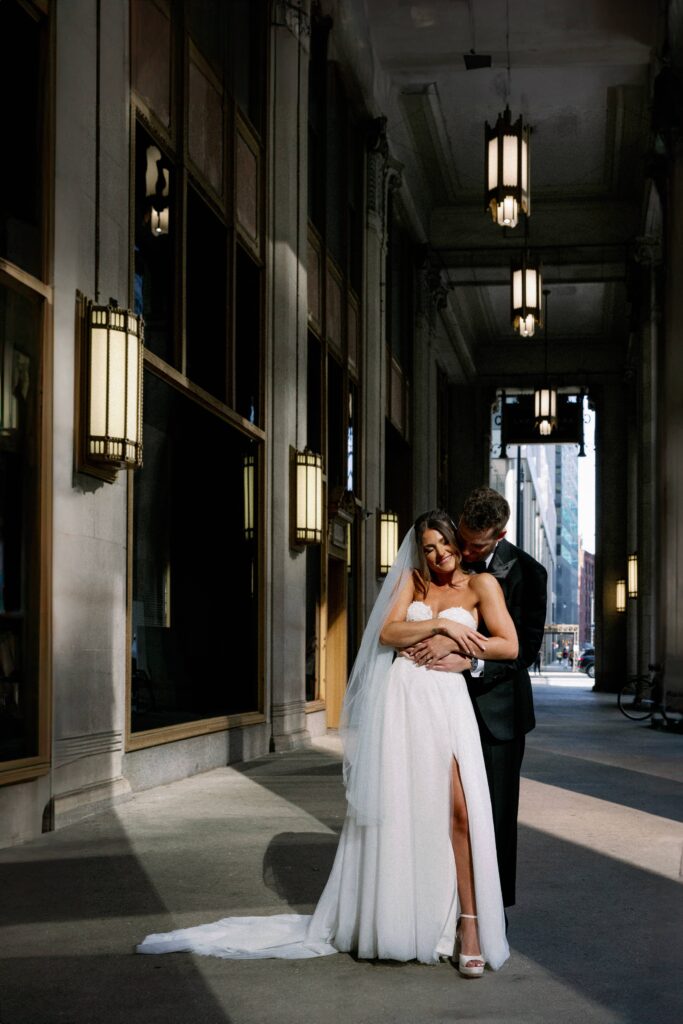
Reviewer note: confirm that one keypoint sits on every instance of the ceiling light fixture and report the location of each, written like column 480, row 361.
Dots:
column 526, row 291
column 507, row 160
column 545, row 397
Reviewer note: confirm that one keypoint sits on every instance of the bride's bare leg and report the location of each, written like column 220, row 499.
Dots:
column 462, row 850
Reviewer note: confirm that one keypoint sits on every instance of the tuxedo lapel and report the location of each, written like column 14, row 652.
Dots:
column 503, row 560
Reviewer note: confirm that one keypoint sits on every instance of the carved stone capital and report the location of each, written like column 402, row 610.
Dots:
column 384, row 175
column 647, row 250
column 292, row 15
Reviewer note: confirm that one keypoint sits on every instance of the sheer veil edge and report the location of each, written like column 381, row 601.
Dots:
column 362, row 712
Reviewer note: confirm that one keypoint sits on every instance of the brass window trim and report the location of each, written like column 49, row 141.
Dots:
column 202, row 397
column 188, row 730
column 39, row 764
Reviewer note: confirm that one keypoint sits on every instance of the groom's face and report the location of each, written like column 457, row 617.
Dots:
column 476, row 546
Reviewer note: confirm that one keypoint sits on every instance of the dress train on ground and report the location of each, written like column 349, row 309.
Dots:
column 392, row 891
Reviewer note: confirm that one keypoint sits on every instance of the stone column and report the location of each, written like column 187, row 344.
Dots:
column 89, row 652
column 432, row 297
column 287, row 326
column 669, row 570
column 649, row 257
column 469, row 441
column 611, row 534
column 383, row 174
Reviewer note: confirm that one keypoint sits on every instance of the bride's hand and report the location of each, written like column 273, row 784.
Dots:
column 467, row 640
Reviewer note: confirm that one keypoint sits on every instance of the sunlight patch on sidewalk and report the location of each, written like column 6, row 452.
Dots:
column 634, row 837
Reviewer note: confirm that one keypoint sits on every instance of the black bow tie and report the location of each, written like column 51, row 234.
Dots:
column 476, row 566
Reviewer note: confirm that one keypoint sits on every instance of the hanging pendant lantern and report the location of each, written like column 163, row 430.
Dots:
column 507, row 170
column 545, row 397
column 545, row 411
column 527, row 288
column 157, row 187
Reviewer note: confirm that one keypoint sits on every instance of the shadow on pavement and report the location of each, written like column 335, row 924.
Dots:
column 71, row 923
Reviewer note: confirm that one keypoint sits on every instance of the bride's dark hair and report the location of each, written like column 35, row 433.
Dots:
column 439, row 520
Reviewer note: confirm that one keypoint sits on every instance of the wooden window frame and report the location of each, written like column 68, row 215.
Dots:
column 26, row 768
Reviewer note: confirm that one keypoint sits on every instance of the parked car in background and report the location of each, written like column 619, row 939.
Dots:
column 587, row 662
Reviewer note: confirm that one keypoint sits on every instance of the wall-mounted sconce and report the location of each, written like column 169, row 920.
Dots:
column 15, row 379
column 387, row 541
column 157, row 189
column 633, row 575
column 248, row 472
column 308, row 497
column 110, row 412
column 621, row 595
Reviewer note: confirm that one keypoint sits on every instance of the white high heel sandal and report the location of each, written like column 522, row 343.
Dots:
column 470, row 965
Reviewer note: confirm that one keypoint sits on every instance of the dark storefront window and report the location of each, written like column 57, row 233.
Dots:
column 22, row 87
column 24, row 392
column 195, row 567
column 20, row 345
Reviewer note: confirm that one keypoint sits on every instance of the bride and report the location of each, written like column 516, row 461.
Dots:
column 415, row 875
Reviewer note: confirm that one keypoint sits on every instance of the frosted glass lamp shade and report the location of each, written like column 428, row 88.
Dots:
column 387, row 542
column 308, row 511
column 114, row 387
column 507, row 170
column 526, row 292
column 633, row 575
column 545, row 410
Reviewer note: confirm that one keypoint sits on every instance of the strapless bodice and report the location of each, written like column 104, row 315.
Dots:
column 418, row 611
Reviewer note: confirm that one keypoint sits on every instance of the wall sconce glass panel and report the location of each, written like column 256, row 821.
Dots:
column 633, row 575
column 387, row 541
column 309, row 498
column 248, row 489
column 113, row 387
column 621, row 595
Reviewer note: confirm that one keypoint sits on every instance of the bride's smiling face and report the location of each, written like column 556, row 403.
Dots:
column 439, row 553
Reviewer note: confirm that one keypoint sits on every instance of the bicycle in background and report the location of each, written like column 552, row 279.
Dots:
column 643, row 697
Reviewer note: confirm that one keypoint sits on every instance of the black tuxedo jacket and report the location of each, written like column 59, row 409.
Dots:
column 502, row 694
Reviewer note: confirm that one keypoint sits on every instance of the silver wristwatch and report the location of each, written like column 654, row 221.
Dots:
column 475, row 664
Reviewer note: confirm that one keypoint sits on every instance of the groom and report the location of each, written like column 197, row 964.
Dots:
column 500, row 690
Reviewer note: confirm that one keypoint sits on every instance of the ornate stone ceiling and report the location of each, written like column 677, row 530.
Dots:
column 581, row 73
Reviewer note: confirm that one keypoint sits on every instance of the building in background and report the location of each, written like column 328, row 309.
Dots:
column 586, row 596
column 566, row 605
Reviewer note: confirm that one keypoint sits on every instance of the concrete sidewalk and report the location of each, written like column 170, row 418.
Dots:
column 596, row 936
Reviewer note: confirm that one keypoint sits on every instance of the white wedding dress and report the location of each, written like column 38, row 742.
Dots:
column 392, row 892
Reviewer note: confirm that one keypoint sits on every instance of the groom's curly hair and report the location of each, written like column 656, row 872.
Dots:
column 439, row 520
column 484, row 510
